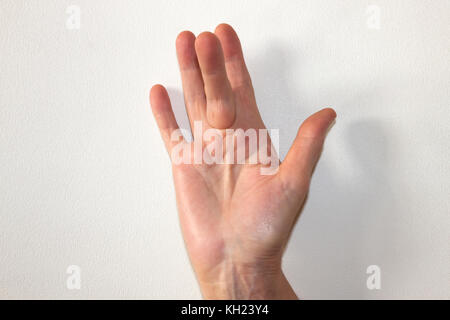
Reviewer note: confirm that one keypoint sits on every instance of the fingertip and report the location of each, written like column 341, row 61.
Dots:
column 329, row 112
column 230, row 41
column 184, row 44
column 206, row 42
column 184, row 39
column 157, row 90
column 325, row 113
column 224, row 27
column 158, row 95
column 317, row 124
column 206, row 35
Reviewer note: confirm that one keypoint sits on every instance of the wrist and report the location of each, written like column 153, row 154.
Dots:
column 247, row 283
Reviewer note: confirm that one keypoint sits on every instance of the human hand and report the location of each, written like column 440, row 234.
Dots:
column 235, row 221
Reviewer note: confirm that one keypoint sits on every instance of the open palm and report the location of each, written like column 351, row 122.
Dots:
column 236, row 221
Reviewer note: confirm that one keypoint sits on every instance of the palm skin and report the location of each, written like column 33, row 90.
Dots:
column 235, row 221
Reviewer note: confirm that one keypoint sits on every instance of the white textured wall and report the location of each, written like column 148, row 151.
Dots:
column 85, row 180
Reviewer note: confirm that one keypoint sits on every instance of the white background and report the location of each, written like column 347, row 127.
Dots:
column 85, row 179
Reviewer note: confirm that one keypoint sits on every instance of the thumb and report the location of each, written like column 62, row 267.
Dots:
column 297, row 168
